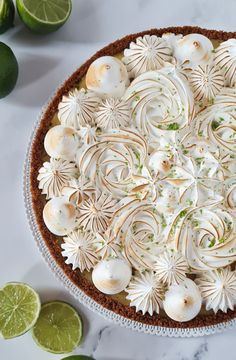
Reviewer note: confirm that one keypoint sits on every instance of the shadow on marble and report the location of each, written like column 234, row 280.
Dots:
column 38, row 275
column 34, row 68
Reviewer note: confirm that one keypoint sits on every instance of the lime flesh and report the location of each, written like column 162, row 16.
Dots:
column 58, row 329
column 8, row 70
column 7, row 14
column 19, row 309
column 44, row 16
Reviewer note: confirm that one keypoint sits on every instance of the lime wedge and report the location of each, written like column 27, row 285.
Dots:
column 19, row 309
column 7, row 14
column 58, row 329
column 78, row 357
column 44, row 16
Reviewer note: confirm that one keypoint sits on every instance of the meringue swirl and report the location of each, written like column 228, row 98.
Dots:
column 138, row 227
column 205, row 237
column 116, row 162
column 160, row 100
column 218, row 121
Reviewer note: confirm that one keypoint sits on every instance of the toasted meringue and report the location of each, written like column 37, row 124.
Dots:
column 171, row 267
column 96, row 211
column 218, row 289
column 78, row 189
column 107, row 246
column 159, row 162
column 225, row 59
column 145, row 293
column 61, row 142
column 197, row 181
column 206, row 81
column 217, row 122
column 183, row 301
column 54, row 175
column 107, row 76
column 77, row 109
column 78, row 248
column 205, row 237
column 111, row 276
column 196, row 49
column 160, row 100
column 113, row 113
column 230, row 196
column 146, row 53
column 59, row 216
column 138, row 227
column 116, row 161
column 87, row 135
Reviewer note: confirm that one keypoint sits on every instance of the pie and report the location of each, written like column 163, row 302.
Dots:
column 133, row 177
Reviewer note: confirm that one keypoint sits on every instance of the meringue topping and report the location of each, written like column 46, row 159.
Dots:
column 160, row 100
column 146, row 53
column 78, row 248
column 96, row 211
column 171, row 267
column 225, row 59
column 113, row 113
column 54, row 175
column 145, row 293
column 77, row 109
column 218, row 289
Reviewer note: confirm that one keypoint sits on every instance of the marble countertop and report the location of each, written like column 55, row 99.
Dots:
column 44, row 63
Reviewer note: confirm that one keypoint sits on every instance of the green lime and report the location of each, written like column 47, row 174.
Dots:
column 7, row 14
column 78, row 357
column 19, row 309
column 58, row 329
column 8, row 70
column 44, row 16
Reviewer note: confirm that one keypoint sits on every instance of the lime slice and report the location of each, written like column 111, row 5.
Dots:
column 78, row 357
column 44, row 16
column 8, row 70
column 7, row 14
column 19, row 309
column 58, row 329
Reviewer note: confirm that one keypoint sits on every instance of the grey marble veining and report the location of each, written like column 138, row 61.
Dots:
column 44, row 63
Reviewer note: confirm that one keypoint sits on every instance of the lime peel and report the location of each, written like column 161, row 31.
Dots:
column 7, row 15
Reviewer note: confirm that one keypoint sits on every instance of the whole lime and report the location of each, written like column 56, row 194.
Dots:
column 7, row 14
column 44, row 16
column 8, row 70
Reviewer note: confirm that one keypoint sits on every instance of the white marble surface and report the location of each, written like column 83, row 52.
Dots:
column 44, row 62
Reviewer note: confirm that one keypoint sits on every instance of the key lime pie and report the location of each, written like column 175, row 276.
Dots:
column 133, row 177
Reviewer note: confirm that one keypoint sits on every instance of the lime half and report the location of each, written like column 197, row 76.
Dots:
column 19, row 309
column 58, row 329
column 7, row 14
column 44, row 16
column 78, row 357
